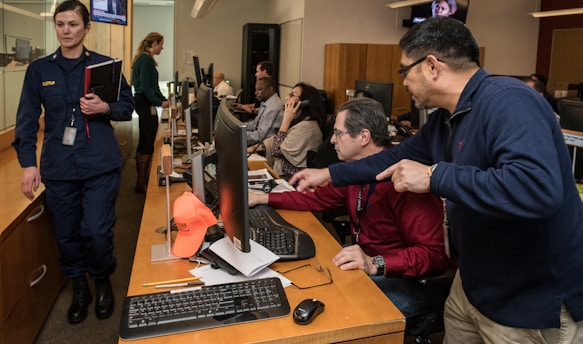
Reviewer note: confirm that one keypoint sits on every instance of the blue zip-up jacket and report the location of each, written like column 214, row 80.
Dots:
column 516, row 219
column 51, row 82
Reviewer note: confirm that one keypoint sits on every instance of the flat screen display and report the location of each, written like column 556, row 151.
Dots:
column 382, row 92
column 232, row 176
column 22, row 53
column 110, row 11
column 457, row 9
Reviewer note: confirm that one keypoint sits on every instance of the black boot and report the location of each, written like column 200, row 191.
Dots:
column 104, row 301
column 81, row 300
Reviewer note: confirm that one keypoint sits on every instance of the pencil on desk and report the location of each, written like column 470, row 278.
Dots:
column 175, row 285
column 188, row 279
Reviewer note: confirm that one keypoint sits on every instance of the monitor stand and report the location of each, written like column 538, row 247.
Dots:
column 163, row 252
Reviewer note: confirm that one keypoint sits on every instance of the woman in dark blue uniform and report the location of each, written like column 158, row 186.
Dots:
column 80, row 159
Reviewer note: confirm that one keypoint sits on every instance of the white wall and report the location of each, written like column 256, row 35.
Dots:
column 509, row 34
column 156, row 19
column 217, row 37
column 503, row 27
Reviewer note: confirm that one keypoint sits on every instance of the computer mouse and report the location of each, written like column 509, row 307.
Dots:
column 307, row 310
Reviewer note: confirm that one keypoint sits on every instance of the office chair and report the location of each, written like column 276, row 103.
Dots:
column 239, row 95
column 422, row 324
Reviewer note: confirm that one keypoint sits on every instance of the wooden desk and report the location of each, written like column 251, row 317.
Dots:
column 355, row 307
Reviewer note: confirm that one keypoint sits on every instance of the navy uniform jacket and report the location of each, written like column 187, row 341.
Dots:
column 51, row 82
column 516, row 219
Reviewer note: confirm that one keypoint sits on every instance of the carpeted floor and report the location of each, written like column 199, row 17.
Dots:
column 129, row 208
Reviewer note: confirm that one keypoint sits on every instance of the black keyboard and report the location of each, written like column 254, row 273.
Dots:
column 159, row 314
column 269, row 229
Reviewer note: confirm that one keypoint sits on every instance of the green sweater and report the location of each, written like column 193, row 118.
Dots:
column 145, row 79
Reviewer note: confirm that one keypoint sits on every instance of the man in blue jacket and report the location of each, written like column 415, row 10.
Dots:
column 495, row 154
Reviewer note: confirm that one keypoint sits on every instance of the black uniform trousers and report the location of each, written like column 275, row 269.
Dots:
column 83, row 212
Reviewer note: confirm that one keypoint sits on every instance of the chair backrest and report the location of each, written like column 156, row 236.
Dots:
column 325, row 154
column 238, row 95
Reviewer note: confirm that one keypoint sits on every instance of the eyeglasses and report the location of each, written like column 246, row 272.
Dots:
column 338, row 133
column 323, row 277
column 403, row 71
column 291, row 94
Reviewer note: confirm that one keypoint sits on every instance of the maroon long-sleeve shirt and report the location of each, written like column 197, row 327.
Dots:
column 405, row 228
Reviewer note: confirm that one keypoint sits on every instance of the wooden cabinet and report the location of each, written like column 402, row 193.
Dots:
column 345, row 63
column 30, row 274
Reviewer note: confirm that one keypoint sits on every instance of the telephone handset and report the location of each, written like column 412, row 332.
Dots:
column 304, row 104
column 402, row 131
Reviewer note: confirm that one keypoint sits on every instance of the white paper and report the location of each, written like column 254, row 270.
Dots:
column 256, row 157
column 256, row 179
column 261, row 175
column 248, row 263
column 211, row 276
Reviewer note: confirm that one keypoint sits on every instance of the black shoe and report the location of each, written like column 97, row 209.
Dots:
column 81, row 300
column 104, row 301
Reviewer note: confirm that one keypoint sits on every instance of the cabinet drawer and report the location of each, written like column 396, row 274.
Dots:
column 27, row 315
column 30, row 274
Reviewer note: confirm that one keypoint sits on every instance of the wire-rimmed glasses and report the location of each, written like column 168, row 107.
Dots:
column 305, row 279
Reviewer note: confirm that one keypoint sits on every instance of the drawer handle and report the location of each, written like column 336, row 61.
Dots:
column 42, row 275
column 37, row 215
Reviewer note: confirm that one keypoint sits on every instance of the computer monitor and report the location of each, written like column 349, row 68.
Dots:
column 418, row 117
column 197, row 174
column 382, row 92
column 184, row 91
column 176, row 82
column 22, row 50
column 205, row 120
column 197, row 71
column 572, row 119
column 232, row 176
column 207, row 78
column 571, row 114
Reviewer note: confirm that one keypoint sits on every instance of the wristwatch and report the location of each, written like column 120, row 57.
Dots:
column 108, row 111
column 379, row 262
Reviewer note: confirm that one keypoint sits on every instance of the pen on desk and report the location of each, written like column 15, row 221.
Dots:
column 180, row 280
column 175, row 285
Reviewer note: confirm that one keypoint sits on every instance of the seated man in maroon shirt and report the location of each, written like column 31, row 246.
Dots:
column 395, row 235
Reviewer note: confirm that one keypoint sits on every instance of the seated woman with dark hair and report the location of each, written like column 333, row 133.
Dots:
column 300, row 131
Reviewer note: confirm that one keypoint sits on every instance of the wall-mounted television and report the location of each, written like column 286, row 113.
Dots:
column 110, row 11
column 457, row 9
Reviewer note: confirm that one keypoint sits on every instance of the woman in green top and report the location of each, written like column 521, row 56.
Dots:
column 147, row 97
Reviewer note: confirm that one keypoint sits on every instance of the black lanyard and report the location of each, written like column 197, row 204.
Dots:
column 361, row 208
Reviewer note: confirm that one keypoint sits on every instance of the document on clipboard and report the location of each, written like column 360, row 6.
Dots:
column 104, row 80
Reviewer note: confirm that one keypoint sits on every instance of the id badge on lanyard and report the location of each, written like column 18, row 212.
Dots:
column 70, row 132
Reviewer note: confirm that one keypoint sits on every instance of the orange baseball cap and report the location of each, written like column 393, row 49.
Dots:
column 192, row 219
